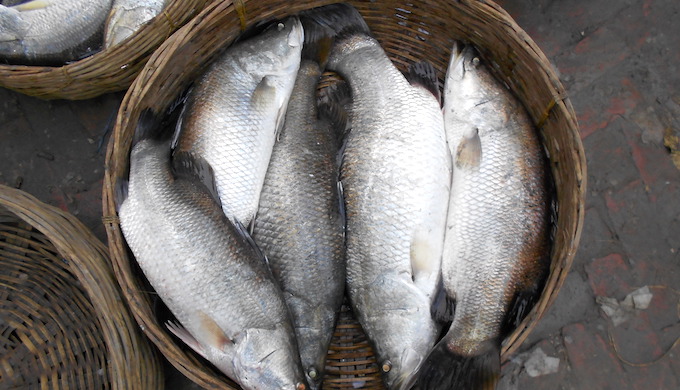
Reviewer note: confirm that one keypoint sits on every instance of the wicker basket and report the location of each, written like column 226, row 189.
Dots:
column 109, row 70
column 409, row 32
column 63, row 324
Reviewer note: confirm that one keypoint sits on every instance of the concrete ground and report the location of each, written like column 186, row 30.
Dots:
column 619, row 63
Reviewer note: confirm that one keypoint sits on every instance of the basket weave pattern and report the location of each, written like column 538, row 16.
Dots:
column 63, row 324
column 408, row 32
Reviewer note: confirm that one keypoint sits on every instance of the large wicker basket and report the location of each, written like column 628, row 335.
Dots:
column 409, row 32
column 109, row 70
column 63, row 322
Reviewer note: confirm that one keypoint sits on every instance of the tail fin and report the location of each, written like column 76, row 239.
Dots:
column 445, row 369
column 332, row 101
column 425, row 75
column 148, row 127
column 337, row 19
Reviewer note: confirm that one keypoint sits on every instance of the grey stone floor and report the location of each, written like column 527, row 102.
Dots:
column 619, row 63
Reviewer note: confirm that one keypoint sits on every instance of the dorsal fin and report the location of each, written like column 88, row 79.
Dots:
column 331, row 102
column 190, row 166
column 243, row 232
column 338, row 20
column 423, row 74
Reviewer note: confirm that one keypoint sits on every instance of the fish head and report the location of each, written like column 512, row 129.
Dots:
column 268, row 359
column 468, row 80
column 275, row 52
column 313, row 349
column 400, row 373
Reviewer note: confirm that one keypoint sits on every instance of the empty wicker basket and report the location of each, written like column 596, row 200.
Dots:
column 63, row 323
column 109, row 70
column 409, row 32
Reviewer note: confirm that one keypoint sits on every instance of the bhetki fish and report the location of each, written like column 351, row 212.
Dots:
column 235, row 110
column 299, row 224
column 497, row 248
column 128, row 16
column 396, row 173
column 206, row 269
column 51, row 32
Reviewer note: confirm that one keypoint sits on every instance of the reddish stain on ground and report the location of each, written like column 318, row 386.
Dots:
column 589, row 124
column 592, row 120
column 646, row 7
column 613, row 205
column 641, row 159
column 607, row 275
column 576, row 12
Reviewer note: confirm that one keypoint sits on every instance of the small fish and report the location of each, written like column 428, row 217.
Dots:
column 496, row 249
column 236, row 109
column 51, row 32
column 396, row 173
column 299, row 224
column 128, row 16
column 206, row 269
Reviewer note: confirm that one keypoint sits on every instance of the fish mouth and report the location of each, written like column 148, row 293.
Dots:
column 296, row 35
column 460, row 53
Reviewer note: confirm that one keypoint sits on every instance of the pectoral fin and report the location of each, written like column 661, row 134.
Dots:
column 425, row 262
column 210, row 334
column 469, row 153
column 33, row 5
column 184, row 335
column 265, row 95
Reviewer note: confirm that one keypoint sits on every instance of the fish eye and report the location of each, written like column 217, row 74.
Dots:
column 386, row 366
column 475, row 62
column 280, row 26
column 313, row 373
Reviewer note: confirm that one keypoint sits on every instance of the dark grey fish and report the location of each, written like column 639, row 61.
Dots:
column 496, row 250
column 299, row 225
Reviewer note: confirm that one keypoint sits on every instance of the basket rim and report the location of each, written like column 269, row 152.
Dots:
column 110, row 69
column 141, row 96
column 133, row 362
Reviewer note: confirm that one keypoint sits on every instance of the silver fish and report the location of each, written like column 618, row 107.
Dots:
column 206, row 270
column 235, row 110
column 396, row 174
column 496, row 249
column 128, row 16
column 50, row 32
column 299, row 225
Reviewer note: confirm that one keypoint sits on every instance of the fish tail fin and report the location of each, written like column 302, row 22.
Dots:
column 162, row 126
column 425, row 75
column 318, row 44
column 446, row 369
column 331, row 103
column 148, row 127
column 336, row 20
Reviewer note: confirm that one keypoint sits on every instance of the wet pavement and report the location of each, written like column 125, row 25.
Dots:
column 619, row 63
